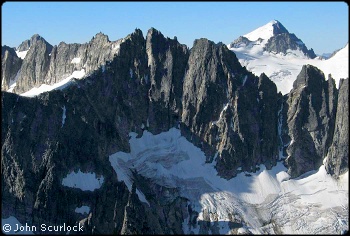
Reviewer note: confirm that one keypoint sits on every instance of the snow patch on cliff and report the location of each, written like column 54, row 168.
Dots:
column 83, row 181
column 60, row 85
column 22, row 54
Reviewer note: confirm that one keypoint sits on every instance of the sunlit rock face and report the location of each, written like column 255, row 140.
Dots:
column 10, row 65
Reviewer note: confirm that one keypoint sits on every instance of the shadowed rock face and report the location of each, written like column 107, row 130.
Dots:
column 337, row 162
column 284, row 41
column 47, row 137
column 224, row 109
column 155, row 84
column 311, row 117
column 167, row 61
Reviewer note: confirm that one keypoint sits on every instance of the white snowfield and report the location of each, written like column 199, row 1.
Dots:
column 263, row 32
column 83, row 181
column 60, row 85
column 21, row 54
column 284, row 69
column 268, row 201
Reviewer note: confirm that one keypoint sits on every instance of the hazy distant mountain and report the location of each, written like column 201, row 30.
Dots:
column 326, row 55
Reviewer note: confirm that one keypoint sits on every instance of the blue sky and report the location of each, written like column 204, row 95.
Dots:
column 322, row 26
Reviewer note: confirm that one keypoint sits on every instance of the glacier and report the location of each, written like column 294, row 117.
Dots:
column 267, row 201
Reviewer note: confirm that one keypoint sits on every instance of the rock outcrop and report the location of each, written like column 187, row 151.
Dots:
column 167, row 61
column 240, row 42
column 281, row 43
column 10, row 65
column 67, row 58
column 337, row 162
column 35, row 65
column 311, row 116
column 231, row 120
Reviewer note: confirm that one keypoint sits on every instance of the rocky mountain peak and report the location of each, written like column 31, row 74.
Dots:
column 35, row 38
column 267, row 31
column 278, row 28
column 10, row 64
column 100, row 38
column 25, row 45
column 275, row 38
column 137, row 35
column 309, row 76
column 153, row 31
column 311, row 120
column 201, row 43
column 155, row 37
column 7, row 48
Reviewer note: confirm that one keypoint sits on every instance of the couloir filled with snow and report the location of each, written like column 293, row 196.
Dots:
column 267, row 201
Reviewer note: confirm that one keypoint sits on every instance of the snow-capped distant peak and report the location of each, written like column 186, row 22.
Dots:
column 266, row 31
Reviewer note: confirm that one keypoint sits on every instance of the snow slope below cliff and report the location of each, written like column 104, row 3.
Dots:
column 268, row 201
column 60, row 85
column 283, row 69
